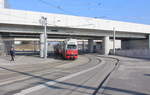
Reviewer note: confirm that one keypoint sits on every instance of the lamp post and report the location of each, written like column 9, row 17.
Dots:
column 43, row 21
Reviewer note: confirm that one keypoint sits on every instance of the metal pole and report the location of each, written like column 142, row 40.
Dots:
column 114, row 38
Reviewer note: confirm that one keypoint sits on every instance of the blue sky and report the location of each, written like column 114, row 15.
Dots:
column 137, row 11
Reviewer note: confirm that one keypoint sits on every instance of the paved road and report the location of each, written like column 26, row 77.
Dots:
column 79, row 77
column 131, row 78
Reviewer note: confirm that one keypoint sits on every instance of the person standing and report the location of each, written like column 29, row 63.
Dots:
column 12, row 54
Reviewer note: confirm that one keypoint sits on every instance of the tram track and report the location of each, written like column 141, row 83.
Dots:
column 99, row 89
column 32, row 76
column 23, row 75
column 58, row 73
column 44, row 66
column 65, row 77
column 105, row 73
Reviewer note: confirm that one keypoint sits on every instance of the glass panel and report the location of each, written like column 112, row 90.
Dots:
column 71, row 47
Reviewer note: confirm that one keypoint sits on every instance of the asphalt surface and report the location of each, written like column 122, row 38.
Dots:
column 83, row 82
column 131, row 78
column 79, row 77
column 85, row 76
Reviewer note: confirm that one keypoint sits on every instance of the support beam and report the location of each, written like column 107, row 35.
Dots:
column 2, row 46
column 4, row 4
column 149, row 41
column 114, row 39
column 8, row 44
column 90, row 45
column 106, row 45
column 83, row 46
column 42, row 45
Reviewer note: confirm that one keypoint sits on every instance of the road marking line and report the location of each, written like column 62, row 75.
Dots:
column 35, row 88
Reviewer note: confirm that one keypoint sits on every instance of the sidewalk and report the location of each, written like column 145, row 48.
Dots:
column 20, row 60
column 131, row 78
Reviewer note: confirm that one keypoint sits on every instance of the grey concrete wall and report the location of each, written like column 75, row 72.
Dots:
column 134, row 44
column 138, row 53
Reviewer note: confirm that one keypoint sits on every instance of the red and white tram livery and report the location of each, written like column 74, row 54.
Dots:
column 68, row 49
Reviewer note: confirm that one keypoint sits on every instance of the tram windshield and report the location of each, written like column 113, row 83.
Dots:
column 71, row 47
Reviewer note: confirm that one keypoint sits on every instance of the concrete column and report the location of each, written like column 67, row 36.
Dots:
column 90, row 45
column 42, row 45
column 2, row 47
column 83, row 46
column 8, row 44
column 149, row 41
column 3, row 3
column 106, row 45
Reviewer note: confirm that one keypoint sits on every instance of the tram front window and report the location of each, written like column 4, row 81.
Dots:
column 71, row 47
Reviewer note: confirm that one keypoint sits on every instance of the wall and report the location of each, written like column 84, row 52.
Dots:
column 138, row 53
column 134, row 48
column 117, row 44
column 134, row 44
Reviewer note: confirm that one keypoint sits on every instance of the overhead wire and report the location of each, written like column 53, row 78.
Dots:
column 52, row 5
column 61, row 9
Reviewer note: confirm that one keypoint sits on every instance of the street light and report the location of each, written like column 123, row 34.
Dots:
column 43, row 21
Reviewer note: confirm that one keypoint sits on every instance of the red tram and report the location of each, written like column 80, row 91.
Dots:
column 68, row 49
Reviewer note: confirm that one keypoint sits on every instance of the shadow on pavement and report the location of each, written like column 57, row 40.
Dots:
column 49, row 80
column 44, row 80
column 146, row 74
column 123, row 91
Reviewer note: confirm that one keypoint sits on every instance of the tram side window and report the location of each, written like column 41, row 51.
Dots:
column 71, row 47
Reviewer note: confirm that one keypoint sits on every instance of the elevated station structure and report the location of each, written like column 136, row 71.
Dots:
column 27, row 24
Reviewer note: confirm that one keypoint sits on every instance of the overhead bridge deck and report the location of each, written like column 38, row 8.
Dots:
column 27, row 24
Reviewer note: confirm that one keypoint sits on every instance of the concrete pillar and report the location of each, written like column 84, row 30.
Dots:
column 8, row 44
column 42, row 45
column 106, row 45
column 2, row 47
column 3, row 3
column 90, row 45
column 83, row 46
column 149, row 41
